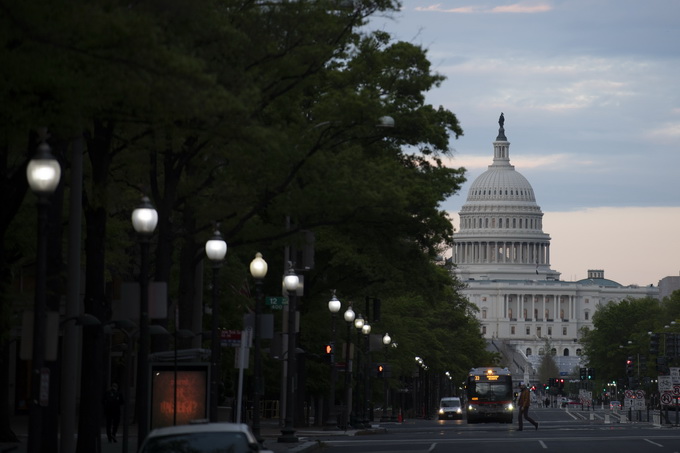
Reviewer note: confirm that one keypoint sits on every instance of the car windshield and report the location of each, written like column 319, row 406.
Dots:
column 213, row 442
column 450, row 404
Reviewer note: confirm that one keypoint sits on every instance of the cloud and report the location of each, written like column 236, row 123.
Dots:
column 522, row 7
column 666, row 133
column 548, row 161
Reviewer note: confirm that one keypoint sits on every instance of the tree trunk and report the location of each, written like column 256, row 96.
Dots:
column 96, row 302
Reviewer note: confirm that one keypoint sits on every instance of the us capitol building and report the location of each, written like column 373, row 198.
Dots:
column 503, row 256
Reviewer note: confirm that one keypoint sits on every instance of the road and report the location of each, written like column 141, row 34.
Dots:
column 559, row 430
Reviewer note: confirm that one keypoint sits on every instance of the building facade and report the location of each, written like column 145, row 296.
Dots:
column 503, row 256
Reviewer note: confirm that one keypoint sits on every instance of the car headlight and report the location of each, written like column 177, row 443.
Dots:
column 441, row 411
column 459, row 411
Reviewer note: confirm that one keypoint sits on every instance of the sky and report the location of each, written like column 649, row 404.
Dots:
column 590, row 91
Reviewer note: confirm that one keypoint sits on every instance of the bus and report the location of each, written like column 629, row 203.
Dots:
column 489, row 395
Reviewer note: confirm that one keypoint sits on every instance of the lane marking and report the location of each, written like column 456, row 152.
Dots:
column 571, row 415
column 543, row 444
column 653, row 443
column 432, row 447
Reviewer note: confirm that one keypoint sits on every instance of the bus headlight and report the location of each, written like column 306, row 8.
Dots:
column 509, row 407
column 472, row 408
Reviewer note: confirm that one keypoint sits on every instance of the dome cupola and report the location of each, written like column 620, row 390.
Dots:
column 501, row 232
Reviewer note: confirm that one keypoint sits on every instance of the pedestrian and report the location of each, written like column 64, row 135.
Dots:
column 547, row 402
column 112, row 401
column 523, row 403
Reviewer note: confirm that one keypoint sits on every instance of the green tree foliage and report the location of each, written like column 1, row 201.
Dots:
column 620, row 330
column 548, row 367
column 264, row 117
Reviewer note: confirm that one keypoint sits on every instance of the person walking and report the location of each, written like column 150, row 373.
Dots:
column 523, row 403
column 112, row 401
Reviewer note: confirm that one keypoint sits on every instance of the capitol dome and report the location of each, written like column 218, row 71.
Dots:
column 501, row 230
column 501, row 183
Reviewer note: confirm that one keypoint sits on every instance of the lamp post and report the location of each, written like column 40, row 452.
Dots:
column 349, row 318
column 386, row 340
column 215, row 250
column 144, row 220
column 334, row 306
column 366, row 331
column 43, row 173
column 126, row 327
column 290, row 283
column 358, row 325
column 258, row 269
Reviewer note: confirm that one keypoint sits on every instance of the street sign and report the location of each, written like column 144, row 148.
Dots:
column 230, row 338
column 276, row 302
column 666, row 399
column 675, row 374
column 665, row 384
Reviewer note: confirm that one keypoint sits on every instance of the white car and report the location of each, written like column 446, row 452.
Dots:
column 202, row 437
column 450, row 408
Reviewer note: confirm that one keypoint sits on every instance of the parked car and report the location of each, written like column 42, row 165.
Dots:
column 450, row 408
column 615, row 405
column 202, row 437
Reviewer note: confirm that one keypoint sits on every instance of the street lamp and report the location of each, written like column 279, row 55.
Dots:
column 258, row 269
column 358, row 325
column 215, row 250
column 366, row 403
column 334, row 306
column 144, row 220
column 43, row 173
column 290, row 283
column 386, row 340
column 349, row 318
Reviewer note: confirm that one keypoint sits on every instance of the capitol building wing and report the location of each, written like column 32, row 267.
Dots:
column 503, row 256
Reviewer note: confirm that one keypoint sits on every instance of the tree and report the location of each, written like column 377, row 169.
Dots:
column 548, row 367
column 607, row 346
column 234, row 112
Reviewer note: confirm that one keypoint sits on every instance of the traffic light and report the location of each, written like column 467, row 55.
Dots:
column 328, row 352
column 561, row 384
column 643, row 366
column 591, row 374
column 380, row 370
column 654, row 344
column 630, row 367
column 583, row 374
column 671, row 350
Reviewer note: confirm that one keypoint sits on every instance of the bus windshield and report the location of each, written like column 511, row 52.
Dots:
column 490, row 391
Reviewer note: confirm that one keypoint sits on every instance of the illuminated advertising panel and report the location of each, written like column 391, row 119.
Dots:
column 178, row 395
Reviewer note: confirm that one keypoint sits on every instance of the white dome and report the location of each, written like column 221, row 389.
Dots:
column 501, row 225
column 501, row 184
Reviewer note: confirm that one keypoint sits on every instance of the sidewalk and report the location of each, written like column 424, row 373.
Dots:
column 310, row 438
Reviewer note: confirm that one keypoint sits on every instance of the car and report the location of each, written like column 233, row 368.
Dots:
column 615, row 405
column 450, row 408
column 202, row 437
